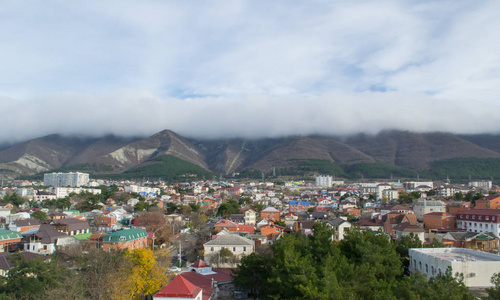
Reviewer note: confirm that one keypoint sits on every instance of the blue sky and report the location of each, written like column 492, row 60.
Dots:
column 248, row 68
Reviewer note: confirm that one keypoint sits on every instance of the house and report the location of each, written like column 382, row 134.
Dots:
column 250, row 217
column 9, row 240
column 44, row 241
column 406, row 228
column 454, row 207
column 483, row 241
column 229, row 225
column 105, row 222
column 238, row 246
column 299, row 206
column 57, row 215
column 270, row 214
column 23, row 225
column 373, row 225
column 237, row 218
column 305, row 227
column 179, row 288
column 200, row 278
column 439, row 220
column 392, row 219
column 271, row 229
column 397, row 208
column 6, row 264
column 340, row 226
column 71, row 226
column 488, row 202
column 480, row 220
column 125, row 239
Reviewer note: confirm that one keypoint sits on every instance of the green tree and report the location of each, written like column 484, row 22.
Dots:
column 431, row 193
column 39, row 215
column 228, row 208
column 31, row 279
column 494, row 292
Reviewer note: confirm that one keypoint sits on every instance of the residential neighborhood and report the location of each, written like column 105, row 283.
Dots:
column 211, row 232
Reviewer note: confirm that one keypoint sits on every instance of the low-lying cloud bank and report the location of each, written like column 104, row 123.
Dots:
column 132, row 113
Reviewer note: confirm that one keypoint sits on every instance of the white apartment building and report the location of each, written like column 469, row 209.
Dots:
column 142, row 189
column 324, row 181
column 479, row 220
column 72, row 179
column 380, row 190
column 484, row 184
column 476, row 266
column 62, row 192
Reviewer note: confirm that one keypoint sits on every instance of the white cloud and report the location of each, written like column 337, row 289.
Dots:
column 248, row 68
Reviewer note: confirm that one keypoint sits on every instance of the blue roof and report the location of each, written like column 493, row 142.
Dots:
column 301, row 203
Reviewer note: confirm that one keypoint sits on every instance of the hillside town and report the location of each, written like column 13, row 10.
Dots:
column 207, row 227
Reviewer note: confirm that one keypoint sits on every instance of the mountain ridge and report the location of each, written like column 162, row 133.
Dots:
column 409, row 150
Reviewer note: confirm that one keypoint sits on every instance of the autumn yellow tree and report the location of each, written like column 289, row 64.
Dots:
column 145, row 277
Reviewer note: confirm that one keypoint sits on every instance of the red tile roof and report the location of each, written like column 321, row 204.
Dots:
column 199, row 264
column 179, row 287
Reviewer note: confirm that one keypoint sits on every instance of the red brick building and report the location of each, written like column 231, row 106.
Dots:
column 439, row 220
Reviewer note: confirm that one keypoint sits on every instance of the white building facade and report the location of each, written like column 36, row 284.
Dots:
column 479, row 220
column 476, row 266
column 72, row 179
column 324, row 180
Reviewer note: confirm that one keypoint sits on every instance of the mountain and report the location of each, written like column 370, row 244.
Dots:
column 388, row 152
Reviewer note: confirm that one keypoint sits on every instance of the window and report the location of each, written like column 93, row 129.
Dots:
column 244, row 249
column 234, row 249
column 473, row 217
column 212, row 249
column 426, row 268
column 487, row 218
column 420, row 265
column 467, row 216
column 479, row 217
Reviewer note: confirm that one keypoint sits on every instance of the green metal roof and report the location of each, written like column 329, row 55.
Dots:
column 83, row 236
column 74, row 211
column 126, row 235
column 9, row 234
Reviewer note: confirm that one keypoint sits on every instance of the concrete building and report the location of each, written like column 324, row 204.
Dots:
column 476, row 266
column 423, row 207
column 484, row 184
column 62, row 192
column 479, row 220
column 72, row 179
column 238, row 246
column 324, row 181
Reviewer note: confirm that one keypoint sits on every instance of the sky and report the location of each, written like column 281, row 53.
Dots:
column 251, row 69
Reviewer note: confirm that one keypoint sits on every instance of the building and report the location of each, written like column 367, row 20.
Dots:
column 271, row 229
column 270, row 214
column 72, row 179
column 178, row 289
column 476, row 266
column 439, row 220
column 340, row 226
column 23, row 225
column 488, row 202
column 46, row 240
column 250, row 217
column 324, row 181
column 71, row 226
column 211, row 282
column 479, row 220
column 425, row 206
column 299, row 206
column 125, row 239
column 483, row 241
column 484, row 184
column 9, row 240
column 62, row 192
column 238, row 246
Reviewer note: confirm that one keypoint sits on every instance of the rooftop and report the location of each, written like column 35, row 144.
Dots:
column 457, row 254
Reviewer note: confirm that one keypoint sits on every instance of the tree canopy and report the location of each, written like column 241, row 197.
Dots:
column 365, row 265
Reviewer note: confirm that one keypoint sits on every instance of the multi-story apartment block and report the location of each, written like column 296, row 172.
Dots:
column 72, row 179
column 324, row 180
column 484, row 184
column 479, row 220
